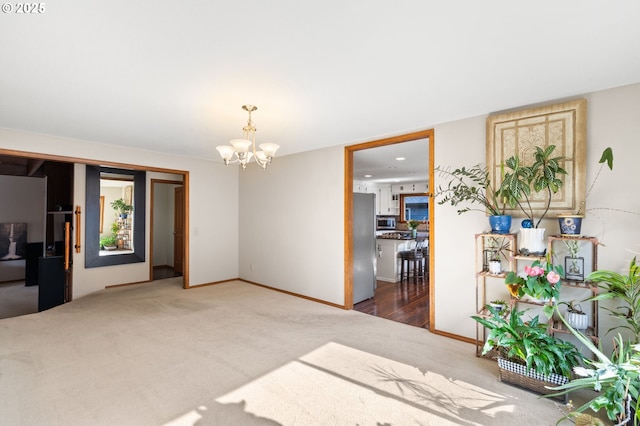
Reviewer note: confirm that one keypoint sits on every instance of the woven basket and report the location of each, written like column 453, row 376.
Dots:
column 516, row 374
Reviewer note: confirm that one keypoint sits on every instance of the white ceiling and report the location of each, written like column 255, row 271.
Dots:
column 404, row 162
column 172, row 76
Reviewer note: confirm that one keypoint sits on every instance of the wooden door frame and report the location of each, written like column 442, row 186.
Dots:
column 183, row 173
column 167, row 182
column 348, row 213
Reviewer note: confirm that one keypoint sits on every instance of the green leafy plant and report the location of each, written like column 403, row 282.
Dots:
column 413, row 224
column 121, row 206
column 541, row 281
column 572, row 307
column 498, row 248
column 625, row 288
column 522, row 182
column 573, row 247
column 108, row 241
column 528, row 343
column 616, row 379
column 605, row 159
column 469, row 185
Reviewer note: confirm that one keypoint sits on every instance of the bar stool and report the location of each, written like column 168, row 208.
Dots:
column 415, row 256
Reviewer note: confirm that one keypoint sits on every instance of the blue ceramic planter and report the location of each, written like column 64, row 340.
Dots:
column 500, row 224
column 570, row 224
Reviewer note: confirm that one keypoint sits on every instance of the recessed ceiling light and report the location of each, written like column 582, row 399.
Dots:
column 367, row 175
column 400, row 158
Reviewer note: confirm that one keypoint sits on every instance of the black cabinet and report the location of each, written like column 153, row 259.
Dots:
column 34, row 251
column 52, row 281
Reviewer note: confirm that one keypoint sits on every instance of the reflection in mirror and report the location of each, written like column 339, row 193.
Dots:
column 122, row 221
column 117, row 235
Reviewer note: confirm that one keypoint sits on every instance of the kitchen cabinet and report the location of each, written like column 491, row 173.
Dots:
column 388, row 264
column 384, row 200
column 410, row 188
column 387, row 252
column 360, row 186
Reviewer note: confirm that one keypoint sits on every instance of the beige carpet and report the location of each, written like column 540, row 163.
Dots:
column 17, row 299
column 238, row 354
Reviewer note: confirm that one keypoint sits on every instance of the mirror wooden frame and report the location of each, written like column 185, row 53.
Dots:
column 92, row 221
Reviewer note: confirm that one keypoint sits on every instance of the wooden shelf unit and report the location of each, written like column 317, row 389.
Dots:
column 590, row 247
column 483, row 276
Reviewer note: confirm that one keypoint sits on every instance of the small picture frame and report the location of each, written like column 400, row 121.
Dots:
column 574, row 268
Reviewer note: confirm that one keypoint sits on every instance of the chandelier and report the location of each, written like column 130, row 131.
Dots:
column 245, row 149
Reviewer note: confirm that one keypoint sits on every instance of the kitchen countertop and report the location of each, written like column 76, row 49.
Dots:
column 398, row 236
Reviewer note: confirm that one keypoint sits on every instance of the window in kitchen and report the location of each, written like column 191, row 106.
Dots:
column 414, row 207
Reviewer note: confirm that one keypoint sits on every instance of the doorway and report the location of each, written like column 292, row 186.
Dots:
column 428, row 294
column 167, row 229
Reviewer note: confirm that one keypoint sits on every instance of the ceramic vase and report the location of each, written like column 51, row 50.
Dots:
column 570, row 224
column 500, row 224
column 531, row 242
column 577, row 321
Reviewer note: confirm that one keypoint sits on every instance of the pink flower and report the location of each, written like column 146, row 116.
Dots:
column 553, row 277
column 534, row 271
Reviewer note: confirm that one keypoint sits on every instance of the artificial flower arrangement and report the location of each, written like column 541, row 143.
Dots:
column 541, row 281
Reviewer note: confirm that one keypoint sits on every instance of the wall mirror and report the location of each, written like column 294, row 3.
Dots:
column 122, row 239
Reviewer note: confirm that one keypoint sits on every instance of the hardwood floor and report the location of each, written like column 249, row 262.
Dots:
column 407, row 303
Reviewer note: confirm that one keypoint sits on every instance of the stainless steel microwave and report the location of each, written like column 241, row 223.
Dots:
column 385, row 222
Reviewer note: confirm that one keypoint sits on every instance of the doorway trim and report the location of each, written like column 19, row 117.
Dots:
column 152, row 198
column 348, row 213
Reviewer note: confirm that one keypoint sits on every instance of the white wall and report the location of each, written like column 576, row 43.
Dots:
column 286, row 224
column 291, row 224
column 460, row 143
column 213, row 201
column 15, row 207
column 612, row 119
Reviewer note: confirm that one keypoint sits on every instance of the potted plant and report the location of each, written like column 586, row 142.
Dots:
column 496, row 250
column 541, row 280
column 122, row 207
column 108, row 242
column 470, row 186
column 499, row 305
column 413, row 227
column 519, row 186
column 571, row 223
column 575, row 316
column 573, row 264
column 527, row 355
column 625, row 288
column 615, row 378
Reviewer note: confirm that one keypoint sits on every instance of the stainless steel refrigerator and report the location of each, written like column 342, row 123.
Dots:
column 364, row 246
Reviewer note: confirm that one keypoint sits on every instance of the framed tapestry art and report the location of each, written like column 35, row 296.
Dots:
column 518, row 133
